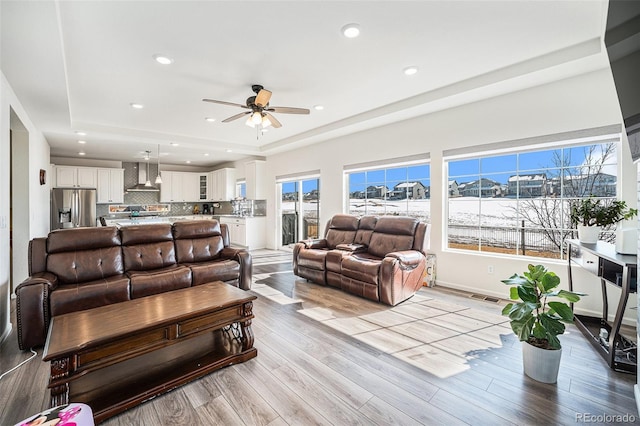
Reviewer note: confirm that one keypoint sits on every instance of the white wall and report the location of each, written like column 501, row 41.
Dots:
column 577, row 103
column 38, row 195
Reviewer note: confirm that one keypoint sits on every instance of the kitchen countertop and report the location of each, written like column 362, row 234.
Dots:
column 146, row 220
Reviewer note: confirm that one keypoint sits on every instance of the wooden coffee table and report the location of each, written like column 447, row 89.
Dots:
column 117, row 356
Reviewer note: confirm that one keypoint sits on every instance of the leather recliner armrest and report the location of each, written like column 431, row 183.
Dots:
column 32, row 309
column 243, row 257
column 319, row 243
column 353, row 248
column 400, row 276
column 409, row 259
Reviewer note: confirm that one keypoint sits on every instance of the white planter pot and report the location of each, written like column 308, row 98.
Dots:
column 541, row 364
column 588, row 234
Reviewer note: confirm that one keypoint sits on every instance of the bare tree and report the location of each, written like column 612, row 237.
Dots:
column 550, row 213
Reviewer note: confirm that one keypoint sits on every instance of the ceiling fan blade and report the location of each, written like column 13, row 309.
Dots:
column 225, row 103
column 288, row 110
column 235, row 117
column 262, row 99
column 274, row 122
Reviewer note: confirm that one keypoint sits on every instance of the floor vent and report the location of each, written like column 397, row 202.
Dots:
column 485, row 298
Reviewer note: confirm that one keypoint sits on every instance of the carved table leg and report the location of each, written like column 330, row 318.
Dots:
column 60, row 391
column 247, row 333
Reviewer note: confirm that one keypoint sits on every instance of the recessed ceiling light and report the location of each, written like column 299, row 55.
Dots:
column 351, row 30
column 80, row 133
column 81, row 153
column 318, row 107
column 188, row 161
column 206, row 154
column 410, row 70
column 136, row 106
column 174, row 144
column 228, row 150
column 210, row 119
column 82, row 142
column 164, row 60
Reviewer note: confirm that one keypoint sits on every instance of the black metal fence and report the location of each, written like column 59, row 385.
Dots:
column 516, row 240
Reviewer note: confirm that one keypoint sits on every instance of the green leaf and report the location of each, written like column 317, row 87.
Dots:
column 554, row 342
column 550, row 280
column 521, row 311
column 522, row 328
column 527, row 294
column 507, row 309
column 570, row 295
column 553, row 325
column 562, row 310
column 539, row 331
column 513, row 293
column 516, row 279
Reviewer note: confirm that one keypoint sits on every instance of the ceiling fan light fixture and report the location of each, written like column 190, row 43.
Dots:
column 256, row 118
column 351, row 30
column 266, row 122
column 249, row 122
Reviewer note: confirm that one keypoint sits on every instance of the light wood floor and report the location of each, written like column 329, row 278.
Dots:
column 326, row 357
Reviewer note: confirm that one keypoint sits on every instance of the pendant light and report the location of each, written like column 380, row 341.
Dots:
column 148, row 182
column 158, row 177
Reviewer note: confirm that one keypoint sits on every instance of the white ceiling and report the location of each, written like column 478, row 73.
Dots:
column 77, row 65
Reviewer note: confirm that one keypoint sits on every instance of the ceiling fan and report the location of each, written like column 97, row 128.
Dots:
column 259, row 109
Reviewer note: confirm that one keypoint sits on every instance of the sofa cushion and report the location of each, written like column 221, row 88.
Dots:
column 365, row 230
column 196, row 229
column 312, row 258
column 217, row 270
column 146, row 283
column 392, row 233
column 80, row 266
column 361, row 267
column 197, row 241
column 76, row 239
column 148, row 247
column 341, row 230
column 77, row 297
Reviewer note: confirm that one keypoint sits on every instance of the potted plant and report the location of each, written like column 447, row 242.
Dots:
column 591, row 214
column 537, row 320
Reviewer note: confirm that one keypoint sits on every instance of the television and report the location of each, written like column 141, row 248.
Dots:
column 622, row 39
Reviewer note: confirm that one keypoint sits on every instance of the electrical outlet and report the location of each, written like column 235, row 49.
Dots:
column 490, row 269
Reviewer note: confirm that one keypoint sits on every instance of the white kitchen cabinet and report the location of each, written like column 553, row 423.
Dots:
column 110, row 188
column 223, row 184
column 179, row 187
column 76, row 177
column 255, row 177
column 248, row 232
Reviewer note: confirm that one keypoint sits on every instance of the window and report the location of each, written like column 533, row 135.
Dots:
column 396, row 190
column 241, row 188
column 519, row 203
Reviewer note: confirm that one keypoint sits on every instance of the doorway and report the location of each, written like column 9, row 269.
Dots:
column 19, row 210
column 299, row 209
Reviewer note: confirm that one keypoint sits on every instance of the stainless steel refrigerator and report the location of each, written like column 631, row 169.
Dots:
column 73, row 208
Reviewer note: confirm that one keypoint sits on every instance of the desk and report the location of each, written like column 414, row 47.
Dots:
column 615, row 269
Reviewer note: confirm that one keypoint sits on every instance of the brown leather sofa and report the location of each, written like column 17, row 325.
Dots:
column 83, row 268
column 380, row 258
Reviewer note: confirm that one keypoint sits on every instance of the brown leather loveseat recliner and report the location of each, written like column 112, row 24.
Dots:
column 83, row 268
column 380, row 258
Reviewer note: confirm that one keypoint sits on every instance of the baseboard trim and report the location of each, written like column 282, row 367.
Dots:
column 636, row 393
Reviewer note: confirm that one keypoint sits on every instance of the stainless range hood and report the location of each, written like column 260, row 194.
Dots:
column 142, row 180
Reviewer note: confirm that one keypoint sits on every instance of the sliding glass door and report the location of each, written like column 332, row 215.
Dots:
column 299, row 209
